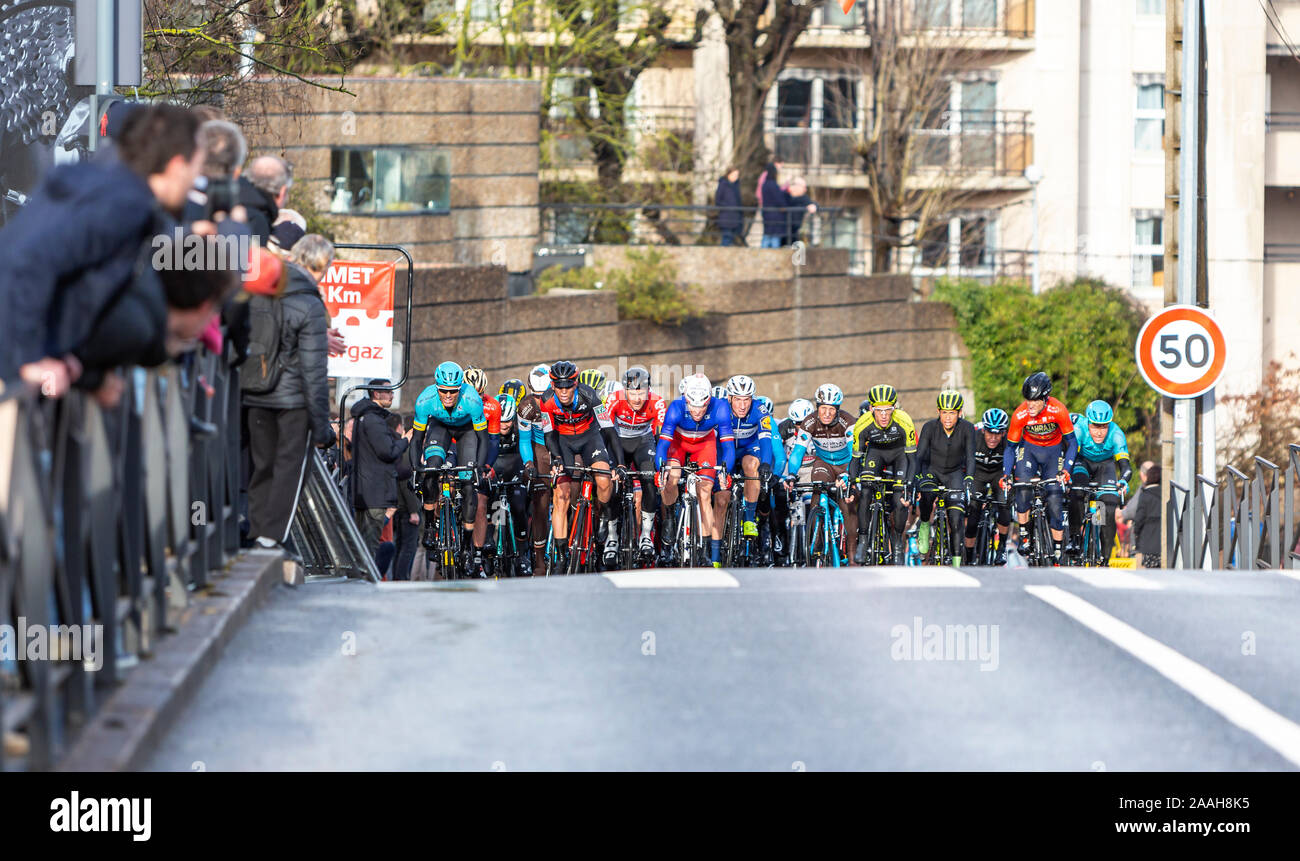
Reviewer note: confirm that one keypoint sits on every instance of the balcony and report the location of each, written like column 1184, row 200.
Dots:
column 965, row 24
column 1282, row 149
column 970, row 144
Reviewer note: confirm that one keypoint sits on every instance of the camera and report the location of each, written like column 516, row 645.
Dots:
column 223, row 196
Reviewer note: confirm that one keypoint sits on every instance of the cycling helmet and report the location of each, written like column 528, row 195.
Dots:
column 719, row 391
column 764, row 404
column 1076, row 419
column 681, row 385
column 1037, row 386
column 592, row 377
column 1099, row 413
column 697, row 392
column 448, row 376
column 607, row 391
column 477, row 378
column 636, row 377
column 829, row 394
column 995, row 420
column 741, row 386
column 882, row 396
column 507, row 408
column 864, row 406
column 564, row 372
column 800, row 409
column 949, row 399
column 539, row 378
column 514, row 388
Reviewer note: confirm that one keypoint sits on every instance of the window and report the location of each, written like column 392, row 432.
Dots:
column 934, row 13
column 388, row 180
column 816, row 118
column 979, row 14
column 832, row 15
column 479, row 10
column 1151, row 7
column 961, row 128
column 949, row 14
column 1149, row 118
column 967, row 239
column 1148, row 249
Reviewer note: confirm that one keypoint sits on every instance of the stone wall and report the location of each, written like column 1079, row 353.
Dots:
column 490, row 128
column 793, row 329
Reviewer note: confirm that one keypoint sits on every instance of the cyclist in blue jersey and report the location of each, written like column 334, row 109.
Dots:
column 697, row 427
column 753, row 430
column 1102, row 459
column 446, row 413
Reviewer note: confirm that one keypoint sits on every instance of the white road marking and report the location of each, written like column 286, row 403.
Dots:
column 1112, row 578
column 925, row 577
column 436, row 585
column 673, row 578
column 1237, row 706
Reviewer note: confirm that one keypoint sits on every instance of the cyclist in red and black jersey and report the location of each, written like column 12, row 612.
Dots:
column 576, row 425
column 637, row 414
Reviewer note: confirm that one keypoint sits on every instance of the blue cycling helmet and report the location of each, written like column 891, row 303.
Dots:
column 1099, row 413
column 449, row 375
column 995, row 420
column 764, row 404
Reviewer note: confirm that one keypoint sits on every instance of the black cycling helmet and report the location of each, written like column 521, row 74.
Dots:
column 636, row 377
column 865, row 406
column 565, row 373
column 1037, row 386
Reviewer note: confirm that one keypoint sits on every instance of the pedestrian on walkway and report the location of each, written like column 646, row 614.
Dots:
column 376, row 451
column 727, row 199
column 289, row 406
column 1146, row 521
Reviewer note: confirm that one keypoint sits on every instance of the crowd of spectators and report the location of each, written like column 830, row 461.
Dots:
column 125, row 260
column 781, row 207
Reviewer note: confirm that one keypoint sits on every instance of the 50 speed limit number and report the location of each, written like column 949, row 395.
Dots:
column 1181, row 351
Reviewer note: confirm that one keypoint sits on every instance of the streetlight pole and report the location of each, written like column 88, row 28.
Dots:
column 1034, row 174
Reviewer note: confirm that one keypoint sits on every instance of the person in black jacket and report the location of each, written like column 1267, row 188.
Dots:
column 285, row 421
column 75, row 262
column 1146, row 523
column 376, row 452
column 727, row 199
column 775, row 203
column 800, row 204
column 263, row 189
column 406, row 520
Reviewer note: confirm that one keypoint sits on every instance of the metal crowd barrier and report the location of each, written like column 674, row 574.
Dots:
column 107, row 517
column 323, row 531
column 1239, row 521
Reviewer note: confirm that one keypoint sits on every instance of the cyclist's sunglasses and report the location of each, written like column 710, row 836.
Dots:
column 562, row 384
column 448, row 391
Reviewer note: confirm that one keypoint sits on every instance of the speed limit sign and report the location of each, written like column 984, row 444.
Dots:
column 1181, row 351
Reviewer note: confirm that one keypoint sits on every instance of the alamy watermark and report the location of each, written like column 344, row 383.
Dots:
column 24, row 642
column 192, row 252
column 921, row 642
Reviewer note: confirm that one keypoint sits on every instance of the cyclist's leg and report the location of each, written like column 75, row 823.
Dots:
column 928, row 486
column 541, row 522
column 643, row 459
column 749, row 464
column 1106, row 473
column 973, row 516
column 955, row 500
column 562, row 496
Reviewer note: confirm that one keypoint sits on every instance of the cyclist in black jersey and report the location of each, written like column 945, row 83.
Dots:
column 990, row 447
column 945, row 463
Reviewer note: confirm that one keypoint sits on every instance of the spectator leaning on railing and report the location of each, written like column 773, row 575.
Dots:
column 286, row 390
column 797, row 198
column 80, row 285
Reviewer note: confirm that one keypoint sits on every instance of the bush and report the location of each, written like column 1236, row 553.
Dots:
column 646, row 288
column 1081, row 333
column 1263, row 423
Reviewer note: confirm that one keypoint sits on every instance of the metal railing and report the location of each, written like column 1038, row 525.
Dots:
column 943, row 18
column 1239, row 521
column 655, row 224
column 108, row 517
column 1281, row 120
column 1281, row 252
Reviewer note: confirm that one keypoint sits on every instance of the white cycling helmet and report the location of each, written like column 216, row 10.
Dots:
column 539, row 379
column 829, row 394
column 719, row 391
column 681, row 385
column 697, row 391
column 800, row 409
column 741, row 386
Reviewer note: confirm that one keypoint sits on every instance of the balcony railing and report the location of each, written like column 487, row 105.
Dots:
column 659, row 138
column 653, row 224
column 1281, row 121
column 1278, row 252
column 949, row 19
column 966, row 142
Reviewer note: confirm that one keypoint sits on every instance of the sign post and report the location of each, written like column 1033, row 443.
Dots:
column 1181, row 352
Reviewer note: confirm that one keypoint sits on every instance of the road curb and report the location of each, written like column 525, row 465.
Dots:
column 143, row 709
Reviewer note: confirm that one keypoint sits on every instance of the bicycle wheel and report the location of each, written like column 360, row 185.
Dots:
column 817, row 537
column 577, row 540
column 1043, row 547
column 628, row 535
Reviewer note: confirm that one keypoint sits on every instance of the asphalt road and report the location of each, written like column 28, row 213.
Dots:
column 761, row 670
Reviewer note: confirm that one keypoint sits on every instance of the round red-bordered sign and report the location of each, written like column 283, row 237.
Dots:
column 1181, row 351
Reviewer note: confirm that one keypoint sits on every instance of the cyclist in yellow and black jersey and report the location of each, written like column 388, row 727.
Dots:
column 884, row 445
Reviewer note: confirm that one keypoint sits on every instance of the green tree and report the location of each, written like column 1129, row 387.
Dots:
column 1081, row 333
